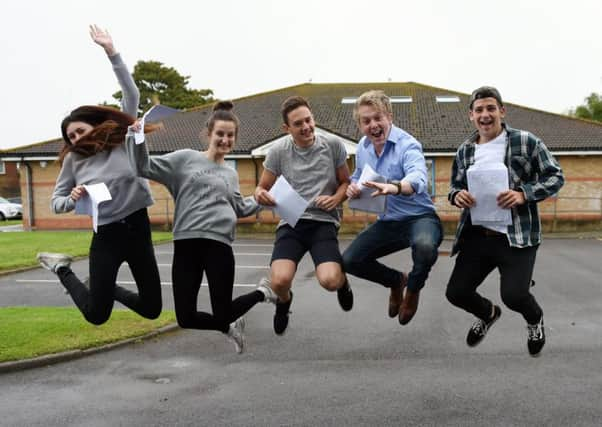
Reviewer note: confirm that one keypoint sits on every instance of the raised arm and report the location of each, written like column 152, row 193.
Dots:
column 158, row 168
column 130, row 93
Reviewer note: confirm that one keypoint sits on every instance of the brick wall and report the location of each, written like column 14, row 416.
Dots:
column 578, row 201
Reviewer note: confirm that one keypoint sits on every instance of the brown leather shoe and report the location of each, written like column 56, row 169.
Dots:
column 396, row 296
column 409, row 306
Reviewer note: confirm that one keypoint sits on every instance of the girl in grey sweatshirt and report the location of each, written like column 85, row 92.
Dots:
column 93, row 153
column 207, row 205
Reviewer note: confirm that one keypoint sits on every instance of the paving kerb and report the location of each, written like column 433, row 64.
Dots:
column 65, row 356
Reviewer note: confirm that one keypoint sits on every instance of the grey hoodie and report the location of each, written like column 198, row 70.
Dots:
column 129, row 193
column 207, row 194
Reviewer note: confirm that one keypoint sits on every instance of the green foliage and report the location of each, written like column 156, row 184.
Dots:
column 592, row 109
column 161, row 84
column 34, row 331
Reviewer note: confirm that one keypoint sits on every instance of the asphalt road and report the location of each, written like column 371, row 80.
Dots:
column 334, row 368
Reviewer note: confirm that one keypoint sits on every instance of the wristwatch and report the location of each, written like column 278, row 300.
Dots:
column 395, row 183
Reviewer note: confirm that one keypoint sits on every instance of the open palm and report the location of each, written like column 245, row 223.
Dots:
column 101, row 37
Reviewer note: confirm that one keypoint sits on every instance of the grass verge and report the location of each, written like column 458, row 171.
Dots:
column 19, row 249
column 28, row 332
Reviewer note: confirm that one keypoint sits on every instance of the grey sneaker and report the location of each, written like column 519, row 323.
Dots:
column 268, row 294
column 236, row 334
column 53, row 261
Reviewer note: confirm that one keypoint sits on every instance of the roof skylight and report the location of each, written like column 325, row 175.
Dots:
column 447, row 98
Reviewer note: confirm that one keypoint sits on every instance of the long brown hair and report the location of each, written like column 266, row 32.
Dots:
column 110, row 126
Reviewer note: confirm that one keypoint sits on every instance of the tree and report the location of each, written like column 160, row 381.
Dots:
column 161, row 84
column 592, row 109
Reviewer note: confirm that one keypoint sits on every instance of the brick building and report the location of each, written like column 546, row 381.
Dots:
column 438, row 118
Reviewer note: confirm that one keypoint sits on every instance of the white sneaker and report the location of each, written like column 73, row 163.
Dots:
column 54, row 261
column 236, row 334
column 268, row 294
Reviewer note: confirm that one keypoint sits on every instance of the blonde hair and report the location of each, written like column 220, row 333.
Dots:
column 373, row 98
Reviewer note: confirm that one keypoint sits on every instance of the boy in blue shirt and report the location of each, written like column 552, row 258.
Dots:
column 409, row 220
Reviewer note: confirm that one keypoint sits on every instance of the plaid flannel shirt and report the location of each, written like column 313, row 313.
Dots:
column 532, row 170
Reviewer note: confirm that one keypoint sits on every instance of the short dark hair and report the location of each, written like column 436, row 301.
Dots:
column 292, row 103
column 486, row 92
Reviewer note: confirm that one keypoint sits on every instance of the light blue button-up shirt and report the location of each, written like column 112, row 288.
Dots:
column 401, row 158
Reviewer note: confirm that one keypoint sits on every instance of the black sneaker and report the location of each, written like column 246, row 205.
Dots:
column 479, row 329
column 536, row 338
column 345, row 296
column 281, row 315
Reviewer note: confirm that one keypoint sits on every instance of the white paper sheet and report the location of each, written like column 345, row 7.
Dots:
column 88, row 204
column 485, row 183
column 139, row 136
column 289, row 204
column 365, row 202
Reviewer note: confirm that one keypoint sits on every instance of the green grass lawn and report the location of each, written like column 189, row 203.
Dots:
column 19, row 249
column 28, row 332
column 11, row 222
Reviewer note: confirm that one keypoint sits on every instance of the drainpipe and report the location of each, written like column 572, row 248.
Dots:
column 256, row 182
column 29, row 195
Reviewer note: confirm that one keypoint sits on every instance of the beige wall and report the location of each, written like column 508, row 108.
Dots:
column 578, row 201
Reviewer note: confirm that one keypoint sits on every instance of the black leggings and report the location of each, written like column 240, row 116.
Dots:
column 192, row 258
column 128, row 240
column 479, row 255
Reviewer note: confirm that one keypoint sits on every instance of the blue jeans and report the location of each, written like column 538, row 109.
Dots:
column 422, row 233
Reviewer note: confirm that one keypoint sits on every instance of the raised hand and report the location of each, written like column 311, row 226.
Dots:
column 102, row 38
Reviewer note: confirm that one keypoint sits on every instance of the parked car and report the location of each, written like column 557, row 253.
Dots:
column 16, row 200
column 10, row 210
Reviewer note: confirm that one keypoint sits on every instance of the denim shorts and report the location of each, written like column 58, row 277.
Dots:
column 317, row 237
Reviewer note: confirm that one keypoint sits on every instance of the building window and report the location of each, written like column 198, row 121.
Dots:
column 2, row 168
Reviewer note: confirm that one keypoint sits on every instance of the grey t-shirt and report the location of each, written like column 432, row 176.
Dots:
column 310, row 171
column 207, row 194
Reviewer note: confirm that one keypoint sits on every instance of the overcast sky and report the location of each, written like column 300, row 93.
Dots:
column 544, row 54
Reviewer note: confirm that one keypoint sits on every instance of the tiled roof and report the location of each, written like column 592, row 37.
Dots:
column 440, row 127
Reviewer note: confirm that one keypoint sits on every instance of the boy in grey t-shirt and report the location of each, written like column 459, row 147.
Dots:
column 315, row 166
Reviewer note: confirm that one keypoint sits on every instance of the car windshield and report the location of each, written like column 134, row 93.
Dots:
column 3, row 200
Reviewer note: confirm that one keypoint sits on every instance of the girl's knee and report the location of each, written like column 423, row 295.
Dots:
column 98, row 318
